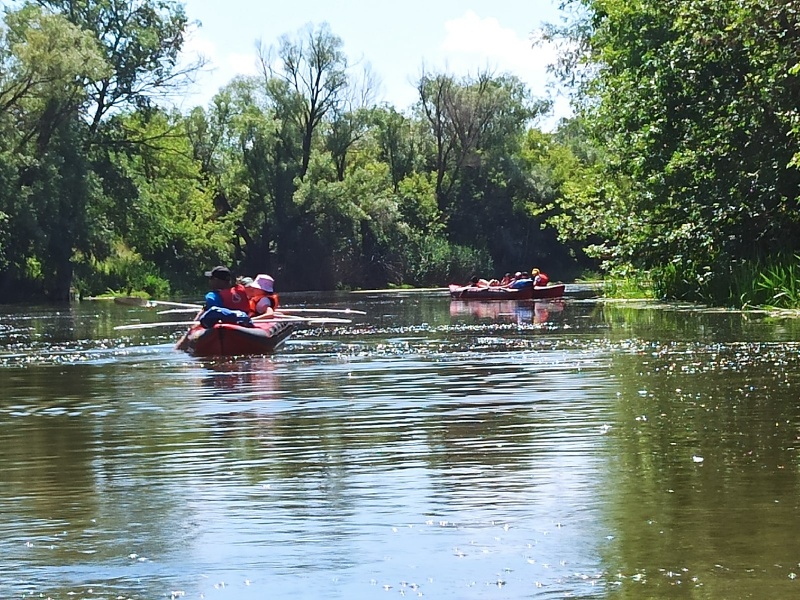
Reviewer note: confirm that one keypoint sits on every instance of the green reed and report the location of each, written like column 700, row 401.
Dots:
column 628, row 283
column 782, row 281
column 766, row 282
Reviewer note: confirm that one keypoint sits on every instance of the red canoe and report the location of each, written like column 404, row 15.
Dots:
column 226, row 339
column 498, row 293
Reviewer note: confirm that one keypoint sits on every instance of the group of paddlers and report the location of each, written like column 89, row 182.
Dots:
column 237, row 301
column 518, row 280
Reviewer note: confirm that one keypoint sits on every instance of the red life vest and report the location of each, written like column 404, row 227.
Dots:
column 542, row 279
column 235, row 298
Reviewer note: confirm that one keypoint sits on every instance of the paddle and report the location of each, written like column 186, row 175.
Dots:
column 343, row 311
column 281, row 317
column 144, row 302
column 159, row 324
column 288, row 318
column 135, row 301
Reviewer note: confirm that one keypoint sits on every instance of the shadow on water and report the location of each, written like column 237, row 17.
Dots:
column 450, row 449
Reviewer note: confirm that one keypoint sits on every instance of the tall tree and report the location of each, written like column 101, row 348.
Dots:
column 47, row 63
column 310, row 79
column 70, row 65
column 465, row 118
column 350, row 120
column 477, row 127
column 397, row 144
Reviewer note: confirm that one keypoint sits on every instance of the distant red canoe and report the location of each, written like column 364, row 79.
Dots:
column 497, row 293
column 225, row 339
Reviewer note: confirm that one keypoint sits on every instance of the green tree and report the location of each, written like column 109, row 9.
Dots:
column 46, row 65
column 399, row 144
column 251, row 158
column 695, row 102
column 483, row 187
column 310, row 81
column 141, row 41
column 172, row 221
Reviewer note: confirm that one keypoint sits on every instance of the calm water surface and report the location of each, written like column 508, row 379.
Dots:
column 431, row 449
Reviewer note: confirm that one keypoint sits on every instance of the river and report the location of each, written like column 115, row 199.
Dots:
column 572, row 448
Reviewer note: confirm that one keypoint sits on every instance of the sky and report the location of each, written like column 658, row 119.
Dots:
column 397, row 39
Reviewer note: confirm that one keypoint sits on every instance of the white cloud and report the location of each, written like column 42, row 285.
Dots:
column 472, row 35
column 468, row 44
column 196, row 44
column 220, row 67
column 472, row 43
column 242, row 64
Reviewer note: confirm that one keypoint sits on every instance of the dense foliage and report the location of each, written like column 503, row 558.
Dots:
column 296, row 172
column 692, row 107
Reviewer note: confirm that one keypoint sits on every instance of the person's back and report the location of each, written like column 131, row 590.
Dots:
column 539, row 279
column 222, row 294
column 478, row 282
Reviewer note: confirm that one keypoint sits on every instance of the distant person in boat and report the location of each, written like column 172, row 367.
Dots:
column 261, row 292
column 478, row 282
column 506, row 280
column 523, row 280
column 539, row 279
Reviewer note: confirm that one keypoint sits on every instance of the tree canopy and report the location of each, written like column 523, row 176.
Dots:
column 296, row 171
column 694, row 107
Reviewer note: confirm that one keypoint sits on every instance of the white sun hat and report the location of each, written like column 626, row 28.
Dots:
column 263, row 282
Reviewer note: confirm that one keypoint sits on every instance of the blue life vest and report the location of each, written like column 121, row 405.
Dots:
column 521, row 283
column 217, row 314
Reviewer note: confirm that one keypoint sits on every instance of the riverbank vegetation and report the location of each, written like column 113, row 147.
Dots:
column 691, row 107
column 297, row 172
column 678, row 172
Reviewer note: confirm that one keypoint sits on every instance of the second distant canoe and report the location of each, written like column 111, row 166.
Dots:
column 497, row 293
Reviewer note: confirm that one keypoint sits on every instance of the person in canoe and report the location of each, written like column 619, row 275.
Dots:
column 510, row 279
column 539, row 279
column 224, row 294
column 478, row 282
column 261, row 294
column 521, row 280
column 224, row 303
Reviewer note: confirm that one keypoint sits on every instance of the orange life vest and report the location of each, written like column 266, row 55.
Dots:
column 273, row 298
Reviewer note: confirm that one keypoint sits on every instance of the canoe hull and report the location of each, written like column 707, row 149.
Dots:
column 497, row 293
column 226, row 339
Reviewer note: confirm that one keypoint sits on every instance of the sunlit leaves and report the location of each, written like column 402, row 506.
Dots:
column 140, row 41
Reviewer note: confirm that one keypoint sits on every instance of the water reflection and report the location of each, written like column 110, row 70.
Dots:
column 240, row 379
column 509, row 311
column 707, row 438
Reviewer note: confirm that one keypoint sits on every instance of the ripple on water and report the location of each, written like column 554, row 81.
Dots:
column 466, row 460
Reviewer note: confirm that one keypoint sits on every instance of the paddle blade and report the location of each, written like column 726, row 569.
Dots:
column 131, row 301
